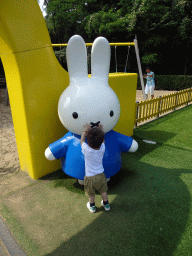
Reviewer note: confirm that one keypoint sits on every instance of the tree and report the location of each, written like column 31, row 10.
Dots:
column 182, row 15
column 64, row 18
column 163, row 28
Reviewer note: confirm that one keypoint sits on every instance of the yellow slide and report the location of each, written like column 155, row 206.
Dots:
column 35, row 82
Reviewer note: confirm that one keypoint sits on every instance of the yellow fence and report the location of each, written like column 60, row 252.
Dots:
column 155, row 107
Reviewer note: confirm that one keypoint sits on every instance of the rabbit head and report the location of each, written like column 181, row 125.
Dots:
column 88, row 100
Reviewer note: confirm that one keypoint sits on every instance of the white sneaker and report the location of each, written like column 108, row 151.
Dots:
column 106, row 207
column 91, row 209
column 81, row 182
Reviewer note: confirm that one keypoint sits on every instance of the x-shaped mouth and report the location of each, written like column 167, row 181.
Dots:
column 95, row 124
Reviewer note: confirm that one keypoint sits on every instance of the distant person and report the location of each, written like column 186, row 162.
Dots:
column 95, row 179
column 150, row 85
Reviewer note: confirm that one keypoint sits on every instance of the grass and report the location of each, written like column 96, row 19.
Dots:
column 150, row 197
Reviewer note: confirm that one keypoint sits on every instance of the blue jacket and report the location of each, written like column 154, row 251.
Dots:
column 68, row 149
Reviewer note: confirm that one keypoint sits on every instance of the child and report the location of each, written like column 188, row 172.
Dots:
column 95, row 179
column 150, row 85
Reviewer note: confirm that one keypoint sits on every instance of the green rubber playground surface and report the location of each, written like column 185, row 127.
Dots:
column 151, row 205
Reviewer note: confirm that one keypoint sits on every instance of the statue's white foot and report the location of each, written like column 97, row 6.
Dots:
column 81, row 182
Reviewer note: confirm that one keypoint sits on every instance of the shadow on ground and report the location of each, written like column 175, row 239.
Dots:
column 150, row 204
column 150, row 211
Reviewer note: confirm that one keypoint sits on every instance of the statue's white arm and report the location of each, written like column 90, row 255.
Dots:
column 49, row 155
column 134, row 146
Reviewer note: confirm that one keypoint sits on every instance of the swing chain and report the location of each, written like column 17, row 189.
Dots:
column 116, row 57
column 127, row 58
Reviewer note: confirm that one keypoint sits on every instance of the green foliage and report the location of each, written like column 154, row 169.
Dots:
column 64, row 18
column 61, row 56
column 93, row 24
column 149, row 58
column 163, row 28
column 170, row 82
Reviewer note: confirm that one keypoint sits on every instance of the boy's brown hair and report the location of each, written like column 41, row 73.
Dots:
column 95, row 137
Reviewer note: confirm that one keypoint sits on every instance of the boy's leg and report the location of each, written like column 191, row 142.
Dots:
column 91, row 204
column 105, row 202
column 89, row 191
column 146, row 91
column 92, row 199
column 152, row 91
column 104, row 196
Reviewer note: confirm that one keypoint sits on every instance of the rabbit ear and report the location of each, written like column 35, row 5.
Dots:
column 77, row 57
column 100, row 58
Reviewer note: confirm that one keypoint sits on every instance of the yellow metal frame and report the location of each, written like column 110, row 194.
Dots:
column 35, row 81
column 90, row 44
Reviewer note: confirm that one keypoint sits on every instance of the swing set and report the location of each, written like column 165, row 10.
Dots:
column 35, row 81
column 126, row 59
column 128, row 44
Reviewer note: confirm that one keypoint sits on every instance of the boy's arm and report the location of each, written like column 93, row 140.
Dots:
column 152, row 74
column 83, row 137
column 87, row 127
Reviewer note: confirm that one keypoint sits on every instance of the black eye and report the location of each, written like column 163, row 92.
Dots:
column 75, row 115
column 111, row 113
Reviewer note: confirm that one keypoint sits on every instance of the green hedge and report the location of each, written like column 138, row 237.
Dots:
column 170, row 82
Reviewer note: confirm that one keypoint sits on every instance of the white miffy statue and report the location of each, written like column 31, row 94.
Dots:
column 89, row 100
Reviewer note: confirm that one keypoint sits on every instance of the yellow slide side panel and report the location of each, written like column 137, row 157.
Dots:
column 24, row 26
column 35, row 82
column 125, row 86
column 34, row 92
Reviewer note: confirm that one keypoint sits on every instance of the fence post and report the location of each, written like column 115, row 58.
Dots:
column 188, row 98
column 159, row 106
column 176, row 100
column 137, row 113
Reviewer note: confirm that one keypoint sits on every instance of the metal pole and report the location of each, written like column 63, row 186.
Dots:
column 139, row 67
column 90, row 44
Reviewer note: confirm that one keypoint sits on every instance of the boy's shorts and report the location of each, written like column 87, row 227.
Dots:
column 149, row 88
column 95, row 183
